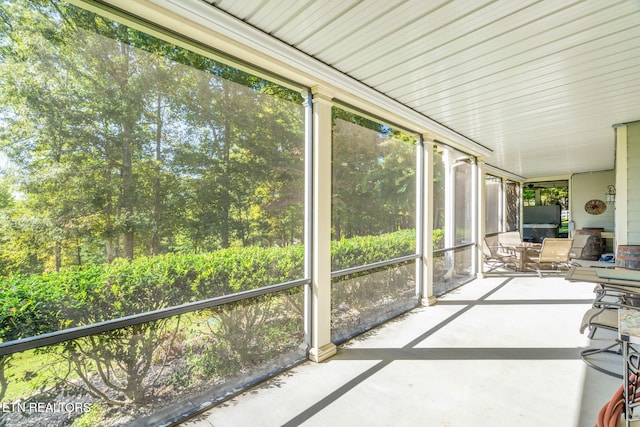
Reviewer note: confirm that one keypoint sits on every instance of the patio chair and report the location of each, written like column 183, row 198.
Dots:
column 553, row 253
column 603, row 312
column 579, row 242
column 508, row 239
column 604, row 315
column 495, row 259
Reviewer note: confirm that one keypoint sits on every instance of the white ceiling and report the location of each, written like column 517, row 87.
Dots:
column 541, row 83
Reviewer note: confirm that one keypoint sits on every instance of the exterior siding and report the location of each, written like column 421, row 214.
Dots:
column 633, row 183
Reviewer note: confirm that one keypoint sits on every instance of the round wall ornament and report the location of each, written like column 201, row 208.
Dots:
column 595, row 207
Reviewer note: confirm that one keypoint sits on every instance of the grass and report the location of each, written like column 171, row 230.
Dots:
column 32, row 371
column 29, row 372
column 94, row 417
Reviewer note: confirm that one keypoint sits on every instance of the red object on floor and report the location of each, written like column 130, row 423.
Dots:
column 609, row 415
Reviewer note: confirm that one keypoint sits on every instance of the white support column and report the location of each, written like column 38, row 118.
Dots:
column 321, row 345
column 427, row 225
column 521, row 211
column 449, row 200
column 481, row 213
column 621, row 235
column 476, row 182
column 502, row 210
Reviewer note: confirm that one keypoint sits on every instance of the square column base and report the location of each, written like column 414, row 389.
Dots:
column 319, row 354
column 429, row 301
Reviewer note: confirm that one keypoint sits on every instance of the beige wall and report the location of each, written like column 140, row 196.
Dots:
column 588, row 186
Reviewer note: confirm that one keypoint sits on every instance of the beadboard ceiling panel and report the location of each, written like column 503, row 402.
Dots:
column 539, row 82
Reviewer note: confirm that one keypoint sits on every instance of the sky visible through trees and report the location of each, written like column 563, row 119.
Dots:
column 115, row 144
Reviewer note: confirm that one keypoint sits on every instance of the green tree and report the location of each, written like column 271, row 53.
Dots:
column 124, row 145
column 548, row 196
column 373, row 178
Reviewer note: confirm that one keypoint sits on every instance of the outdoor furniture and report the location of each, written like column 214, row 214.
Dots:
column 605, row 315
column 600, row 318
column 554, row 253
column 629, row 335
column 615, row 290
column 626, row 400
column 609, row 297
column 579, row 242
column 511, row 243
column 589, row 263
column 521, row 252
column 494, row 258
column 509, row 239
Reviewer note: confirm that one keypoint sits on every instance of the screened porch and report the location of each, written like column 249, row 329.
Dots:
column 499, row 351
column 274, row 213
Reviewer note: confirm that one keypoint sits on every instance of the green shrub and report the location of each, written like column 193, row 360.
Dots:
column 365, row 250
column 37, row 304
column 32, row 305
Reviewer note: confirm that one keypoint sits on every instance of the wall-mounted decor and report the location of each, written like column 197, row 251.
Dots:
column 595, row 207
column 610, row 195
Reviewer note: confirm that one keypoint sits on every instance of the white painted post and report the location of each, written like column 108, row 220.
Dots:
column 621, row 235
column 427, row 226
column 321, row 345
column 481, row 213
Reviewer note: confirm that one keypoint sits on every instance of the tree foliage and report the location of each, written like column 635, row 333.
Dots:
column 120, row 145
column 548, row 196
column 373, row 177
column 136, row 175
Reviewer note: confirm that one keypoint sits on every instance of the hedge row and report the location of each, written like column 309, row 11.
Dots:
column 31, row 305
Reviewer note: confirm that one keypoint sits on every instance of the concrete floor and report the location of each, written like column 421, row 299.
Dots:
column 501, row 351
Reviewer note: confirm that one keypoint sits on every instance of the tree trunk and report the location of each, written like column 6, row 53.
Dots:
column 127, row 191
column 4, row 383
column 225, row 197
column 157, row 194
column 58, row 255
column 109, row 245
column 126, row 168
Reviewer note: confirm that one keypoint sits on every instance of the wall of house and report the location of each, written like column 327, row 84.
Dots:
column 633, row 183
column 592, row 186
column 628, row 183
